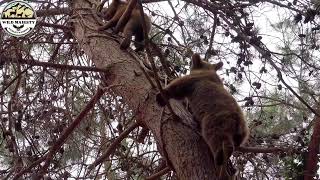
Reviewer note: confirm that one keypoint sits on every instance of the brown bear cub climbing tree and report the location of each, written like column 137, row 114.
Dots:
column 222, row 122
column 126, row 18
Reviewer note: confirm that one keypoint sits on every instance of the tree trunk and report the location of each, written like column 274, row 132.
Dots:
column 177, row 140
column 313, row 151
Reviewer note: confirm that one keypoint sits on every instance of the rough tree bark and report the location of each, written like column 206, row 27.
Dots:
column 313, row 150
column 182, row 145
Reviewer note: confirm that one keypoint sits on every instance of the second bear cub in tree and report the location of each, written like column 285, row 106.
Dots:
column 132, row 26
column 222, row 122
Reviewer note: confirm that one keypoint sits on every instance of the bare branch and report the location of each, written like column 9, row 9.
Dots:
column 159, row 174
column 66, row 133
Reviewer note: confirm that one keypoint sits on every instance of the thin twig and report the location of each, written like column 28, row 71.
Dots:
column 159, row 174
column 215, row 24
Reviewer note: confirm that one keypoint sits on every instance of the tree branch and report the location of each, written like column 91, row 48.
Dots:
column 113, row 146
column 313, row 151
column 52, row 65
column 245, row 149
column 159, row 174
column 66, row 133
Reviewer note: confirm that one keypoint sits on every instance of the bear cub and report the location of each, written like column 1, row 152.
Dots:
column 222, row 122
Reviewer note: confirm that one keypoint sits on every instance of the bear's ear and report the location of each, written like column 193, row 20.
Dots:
column 196, row 61
column 218, row 66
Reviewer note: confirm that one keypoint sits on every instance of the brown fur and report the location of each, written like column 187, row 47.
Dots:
column 222, row 122
column 130, row 26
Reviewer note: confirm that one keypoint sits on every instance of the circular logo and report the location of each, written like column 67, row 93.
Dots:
column 18, row 18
